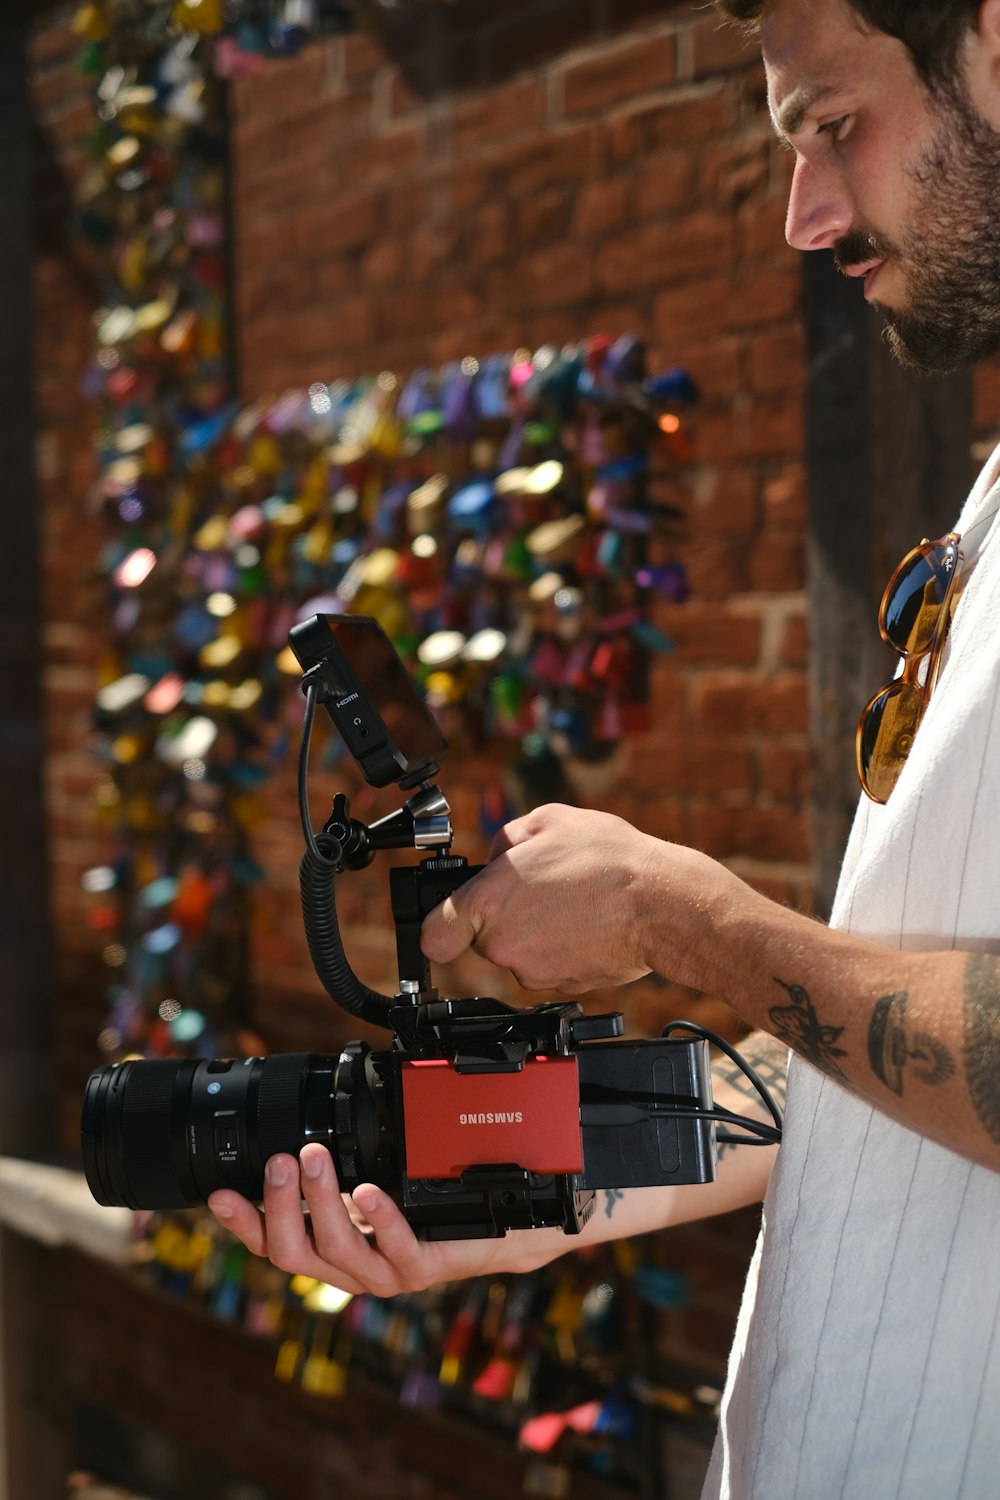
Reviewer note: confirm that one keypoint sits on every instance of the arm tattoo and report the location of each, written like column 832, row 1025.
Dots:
column 612, row 1196
column 981, row 1049
column 769, row 1060
column 800, row 1026
column 891, row 1049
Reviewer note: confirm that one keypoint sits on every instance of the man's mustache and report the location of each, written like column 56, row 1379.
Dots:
column 858, row 248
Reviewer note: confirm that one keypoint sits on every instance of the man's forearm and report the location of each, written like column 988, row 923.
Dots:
column 916, row 1034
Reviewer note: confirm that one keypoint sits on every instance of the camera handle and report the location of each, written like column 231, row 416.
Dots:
column 424, row 822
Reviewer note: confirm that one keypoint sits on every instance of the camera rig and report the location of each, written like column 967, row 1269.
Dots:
column 511, row 1117
column 479, row 1117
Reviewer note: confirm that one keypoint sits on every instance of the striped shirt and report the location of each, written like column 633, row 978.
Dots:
column 866, row 1363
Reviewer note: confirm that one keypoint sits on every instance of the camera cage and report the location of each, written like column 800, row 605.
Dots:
column 613, row 1113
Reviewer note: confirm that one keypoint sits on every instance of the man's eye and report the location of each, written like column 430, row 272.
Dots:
column 836, row 128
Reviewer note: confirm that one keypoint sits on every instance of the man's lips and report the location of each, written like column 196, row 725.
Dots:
column 869, row 269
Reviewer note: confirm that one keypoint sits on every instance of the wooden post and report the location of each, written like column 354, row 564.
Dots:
column 33, row 1438
column 888, row 457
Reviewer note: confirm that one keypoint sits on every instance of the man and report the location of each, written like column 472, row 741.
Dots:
column 867, row 1358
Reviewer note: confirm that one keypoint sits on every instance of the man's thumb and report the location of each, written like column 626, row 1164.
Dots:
column 446, row 932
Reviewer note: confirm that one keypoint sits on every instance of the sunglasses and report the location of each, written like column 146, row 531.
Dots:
column 913, row 619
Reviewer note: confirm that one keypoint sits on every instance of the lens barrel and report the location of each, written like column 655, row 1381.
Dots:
column 165, row 1133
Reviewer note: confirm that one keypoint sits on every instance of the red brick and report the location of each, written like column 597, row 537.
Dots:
column 554, row 276
column 468, row 186
column 694, row 312
column 724, row 501
column 335, row 277
column 713, row 432
column 766, row 833
column 394, row 154
column 619, row 317
column 720, row 47
column 715, row 365
column 543, row 216
column 49, row 94
column 53, row 44
column 777, row 562
column 776, row 359
column 654, row 254
column 986, row 393
column 745, row 702
column 362, row 56
column 383, row 261
column 785, row 770
column 706, row 632
column 619, row 71
column 766, row 295
column 600, row 208
column 284, row 90
column 784, row 499
column 761, row 227
column 491, row 235
column 662, row 814
column 572, row 154
column 692, row 764
column 772, row 427
column 509, row 109
column 716, row 567
column 794, row 648
column 665, row 183
column 732, row 171
column 265, row 287
column 321, row 228
column 431, row 248
column 686, row 117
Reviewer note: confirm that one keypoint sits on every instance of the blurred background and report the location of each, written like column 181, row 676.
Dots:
column 479, row 320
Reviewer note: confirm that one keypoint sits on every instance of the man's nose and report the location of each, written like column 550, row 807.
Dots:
column 819, row 213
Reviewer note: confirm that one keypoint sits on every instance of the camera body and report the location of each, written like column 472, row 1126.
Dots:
column 478, row 1117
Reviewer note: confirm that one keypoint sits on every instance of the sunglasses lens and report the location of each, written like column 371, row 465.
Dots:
column 912, row 606
column 885, row 738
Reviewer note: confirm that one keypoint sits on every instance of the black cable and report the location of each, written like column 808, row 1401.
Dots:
column 332, row 855
column 770, row 1135
column 740, row 1061
column 318, row 871
column 766, row 1135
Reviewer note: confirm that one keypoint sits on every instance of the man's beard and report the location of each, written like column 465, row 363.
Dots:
column 951, row 257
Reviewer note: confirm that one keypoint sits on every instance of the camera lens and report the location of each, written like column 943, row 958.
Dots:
column 166, row 1133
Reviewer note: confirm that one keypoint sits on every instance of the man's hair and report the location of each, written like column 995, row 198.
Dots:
column 932, row 30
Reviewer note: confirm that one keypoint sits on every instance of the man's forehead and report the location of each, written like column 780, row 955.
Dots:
column 811, row 51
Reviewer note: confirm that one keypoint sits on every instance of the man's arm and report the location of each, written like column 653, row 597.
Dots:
column 366, row 1245
column 571, row 900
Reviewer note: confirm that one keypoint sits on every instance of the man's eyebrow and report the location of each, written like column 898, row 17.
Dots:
column 790, row 115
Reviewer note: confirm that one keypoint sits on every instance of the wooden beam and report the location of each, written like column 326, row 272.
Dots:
column 888, row 458
column 33, row 1433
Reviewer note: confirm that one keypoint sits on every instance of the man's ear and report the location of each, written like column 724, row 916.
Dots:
column 988, row 25
column 982, row 62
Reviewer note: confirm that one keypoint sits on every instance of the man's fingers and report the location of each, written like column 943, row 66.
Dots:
column 240, row 1218
column 448, row 930
column 360, row 1244
column 404, row 1256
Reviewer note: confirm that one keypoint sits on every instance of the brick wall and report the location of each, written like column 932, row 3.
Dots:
column 475, row 180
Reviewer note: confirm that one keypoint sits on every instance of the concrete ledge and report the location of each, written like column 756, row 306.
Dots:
column 54, row 1205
